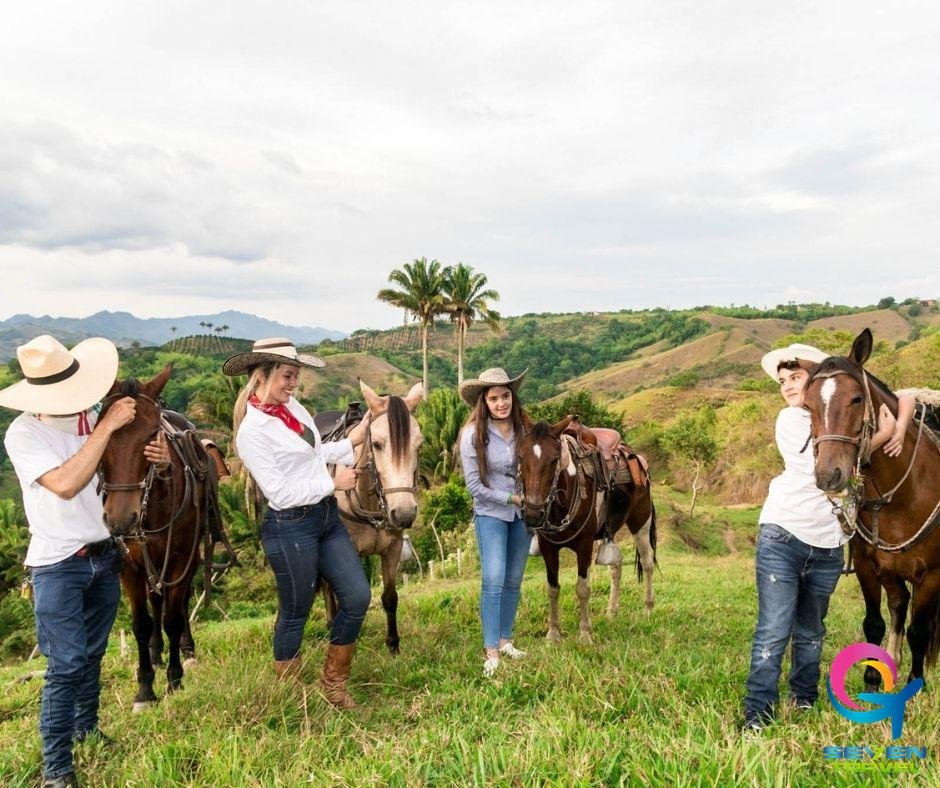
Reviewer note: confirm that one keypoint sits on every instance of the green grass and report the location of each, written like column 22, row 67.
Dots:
column 655, row 701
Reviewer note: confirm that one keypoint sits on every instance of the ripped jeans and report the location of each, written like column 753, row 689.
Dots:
column 794, row 584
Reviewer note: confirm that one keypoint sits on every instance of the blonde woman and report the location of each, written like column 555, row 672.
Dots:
column 302, row 535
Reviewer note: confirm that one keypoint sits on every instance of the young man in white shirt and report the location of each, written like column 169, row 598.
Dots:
column 55, row 447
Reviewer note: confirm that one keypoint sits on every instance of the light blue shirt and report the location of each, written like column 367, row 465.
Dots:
column 490, row 499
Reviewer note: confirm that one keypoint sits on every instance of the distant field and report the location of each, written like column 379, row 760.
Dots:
column 885, row 324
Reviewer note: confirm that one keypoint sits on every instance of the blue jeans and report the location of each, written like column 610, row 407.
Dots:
column 302, row 544
column 75, row 602
column 794, row 584
column 504, row 549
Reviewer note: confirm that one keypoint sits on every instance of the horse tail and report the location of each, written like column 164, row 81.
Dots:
column 652, row 538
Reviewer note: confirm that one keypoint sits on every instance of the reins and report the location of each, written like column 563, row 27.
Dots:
column 855, row 499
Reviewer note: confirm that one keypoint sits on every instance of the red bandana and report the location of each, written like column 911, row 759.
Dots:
column 278, row 411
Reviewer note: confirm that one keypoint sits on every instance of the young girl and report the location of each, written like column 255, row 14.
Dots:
column 799, row 547
column 302, row 535
column 488, row 455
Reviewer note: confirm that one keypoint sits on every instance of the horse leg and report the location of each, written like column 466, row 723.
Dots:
column 174, row 618
column 898, row 599
column 329, row 602
column 156, row 636
column 646, row 557
column 135, row 586
column 613, row 602
column 550, row 556
column 390, row 560
column 874, row 624
column 582, row 588
column 923, row 635
column 187, row 644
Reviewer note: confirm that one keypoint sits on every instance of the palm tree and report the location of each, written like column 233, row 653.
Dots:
column 467, row 299
column 420, row 286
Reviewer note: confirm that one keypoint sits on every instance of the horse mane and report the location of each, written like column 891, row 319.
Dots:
column 127, row 388
column 399, row 427
column 540, row 430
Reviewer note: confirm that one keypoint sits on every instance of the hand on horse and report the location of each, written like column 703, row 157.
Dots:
column 120, row 414
column 157, row 451
column 344, row 477
column 358, row 433
column 889, row 432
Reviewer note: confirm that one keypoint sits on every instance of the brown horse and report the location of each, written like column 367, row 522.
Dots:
column 892, row 505
column 160, row 518
column 568, row 504
column 383, row 503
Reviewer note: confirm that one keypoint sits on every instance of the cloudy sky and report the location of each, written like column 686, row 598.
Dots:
column 281, row 158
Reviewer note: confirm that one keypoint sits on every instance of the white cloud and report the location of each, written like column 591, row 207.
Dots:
column 586, row 156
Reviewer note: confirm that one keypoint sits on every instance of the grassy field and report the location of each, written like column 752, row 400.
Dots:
column 655, row 700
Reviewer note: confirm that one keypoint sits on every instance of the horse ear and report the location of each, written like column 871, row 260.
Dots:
column 414, row 397
column 377, row 404
column 861, row 347
column 559, row 427
column 155, row 385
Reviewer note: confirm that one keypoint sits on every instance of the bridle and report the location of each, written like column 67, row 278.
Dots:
column 546, row 527
column 847, row 512
column 140, row 534
column 376, row 517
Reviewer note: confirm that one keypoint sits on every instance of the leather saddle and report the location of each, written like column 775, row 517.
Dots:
column 621, row 465
column 333, row 424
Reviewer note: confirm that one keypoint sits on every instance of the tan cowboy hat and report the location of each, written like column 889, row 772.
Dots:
column 496, row 376
column 796, row 352
column 59, row 381
column 264, row 351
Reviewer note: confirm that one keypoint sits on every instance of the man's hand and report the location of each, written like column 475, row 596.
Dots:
column 120, row 414
column 157, row 451
column 344, row 477
column 358, row 433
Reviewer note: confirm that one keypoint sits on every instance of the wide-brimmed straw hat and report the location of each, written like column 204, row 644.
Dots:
column 59, row 381
column 264, row 351
column 496, row 376
column 796, row 352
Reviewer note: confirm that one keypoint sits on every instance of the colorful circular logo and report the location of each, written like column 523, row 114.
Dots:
column 869, row 655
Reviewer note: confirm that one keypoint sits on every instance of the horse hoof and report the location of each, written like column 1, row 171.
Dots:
column 142, row 705
column 585, row 639
column 393, row 649
column 190, row 662
column 554, row 636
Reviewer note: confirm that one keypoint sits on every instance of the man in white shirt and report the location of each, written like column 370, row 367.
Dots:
column 55, row 447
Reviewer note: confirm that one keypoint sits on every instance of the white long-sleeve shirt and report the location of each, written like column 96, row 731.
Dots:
column 794, row 502
column 289, row 471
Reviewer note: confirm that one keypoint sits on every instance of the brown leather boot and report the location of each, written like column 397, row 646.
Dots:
column 287, row 669
column 336, row 674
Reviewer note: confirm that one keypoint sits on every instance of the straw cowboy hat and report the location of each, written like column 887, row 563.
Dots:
column 796, row 352
column 264, row 351
column 59, row 382
column 496, row 376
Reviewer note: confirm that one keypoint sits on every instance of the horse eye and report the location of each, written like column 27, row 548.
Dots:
column 857, row 399
column 376, row 446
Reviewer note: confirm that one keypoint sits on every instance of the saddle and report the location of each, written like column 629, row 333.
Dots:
column 620, row 466
column 333, row 424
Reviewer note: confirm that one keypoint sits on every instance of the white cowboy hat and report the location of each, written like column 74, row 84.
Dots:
column 264, row 351
column 796, row 352
column 496, row 376
column 58, row 381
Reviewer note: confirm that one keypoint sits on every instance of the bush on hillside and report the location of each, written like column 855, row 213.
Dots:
column 578, row 403
column 441, row 417
column 450, row 509
column 14, row 538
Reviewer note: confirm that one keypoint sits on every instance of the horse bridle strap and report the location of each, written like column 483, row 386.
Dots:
column 545, row 526
column 865, row 433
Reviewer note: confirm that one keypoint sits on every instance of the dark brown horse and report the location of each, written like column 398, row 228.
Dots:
column 384, row 503
column 160, row 518
column 892, row 505
column 568, row 503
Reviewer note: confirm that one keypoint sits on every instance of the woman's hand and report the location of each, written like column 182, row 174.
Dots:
column 157, row 451
column 516, row 500
column 358, row 433
column 344, row 477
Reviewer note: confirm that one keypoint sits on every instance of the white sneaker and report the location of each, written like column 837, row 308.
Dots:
column 511, row 651
column 489, row 667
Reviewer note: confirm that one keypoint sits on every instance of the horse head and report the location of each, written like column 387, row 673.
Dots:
column 838, row 396
column 542, row 457
column 125, row 472
column 392, row 443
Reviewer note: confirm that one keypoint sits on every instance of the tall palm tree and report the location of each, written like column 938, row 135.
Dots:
column 467, row 298
column 420, row 285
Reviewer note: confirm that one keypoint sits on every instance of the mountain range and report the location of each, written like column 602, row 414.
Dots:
column 124, row 328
